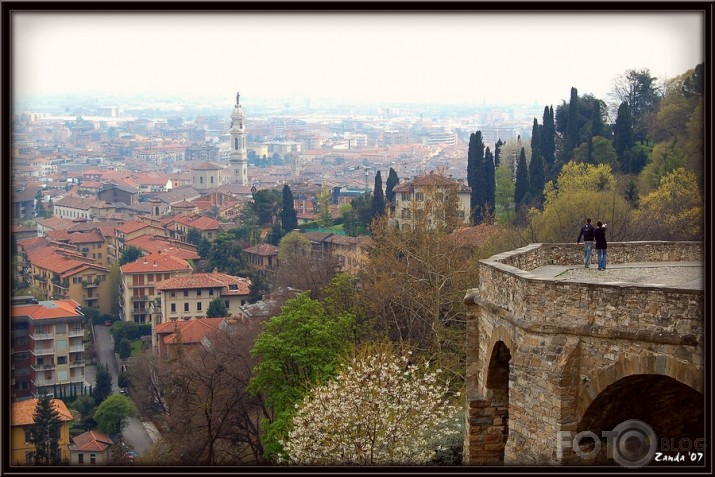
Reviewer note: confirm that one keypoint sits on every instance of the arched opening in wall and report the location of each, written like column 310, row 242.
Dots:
column 673, row 410
column 498, row 394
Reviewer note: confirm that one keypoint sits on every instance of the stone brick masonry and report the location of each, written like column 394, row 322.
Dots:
column 576, row 353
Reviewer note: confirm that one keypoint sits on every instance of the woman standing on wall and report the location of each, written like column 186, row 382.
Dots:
column 601, row 245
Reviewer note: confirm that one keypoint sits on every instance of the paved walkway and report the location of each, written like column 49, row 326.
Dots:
column 671, row 274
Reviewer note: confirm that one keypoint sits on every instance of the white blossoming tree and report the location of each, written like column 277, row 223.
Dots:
column 380, row 410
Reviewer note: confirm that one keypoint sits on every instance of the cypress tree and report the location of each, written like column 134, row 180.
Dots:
column 521, row 188
column 489, row 182
column 103, row 384
column 497, row 152
column 547, row 138
column 45, row 432
column 572, row 126
column 597, row 126
column 392, row 181
column 536, row 165
column 378, row 197
column 623, row 136
column 289, row 217
column 475, row 176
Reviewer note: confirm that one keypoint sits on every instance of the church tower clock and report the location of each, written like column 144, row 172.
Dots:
column 238, row 157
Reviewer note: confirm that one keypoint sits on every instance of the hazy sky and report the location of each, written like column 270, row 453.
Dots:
column 431, row 57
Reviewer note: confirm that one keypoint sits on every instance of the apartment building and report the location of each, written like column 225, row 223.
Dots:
column 72, row 207
column 22, row 451
column 56, row 273
column 263, row 257
column 137, row 287
column 47, row 346
column 207, row 226
column 420, row 199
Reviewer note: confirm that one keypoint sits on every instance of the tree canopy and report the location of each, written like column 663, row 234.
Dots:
column 45, row 432
column 111, row 415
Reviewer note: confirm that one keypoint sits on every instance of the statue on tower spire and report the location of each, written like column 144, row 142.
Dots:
column 237, row 95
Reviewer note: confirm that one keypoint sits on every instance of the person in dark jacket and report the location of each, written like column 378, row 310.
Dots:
column 587, row 233
column 601, row 245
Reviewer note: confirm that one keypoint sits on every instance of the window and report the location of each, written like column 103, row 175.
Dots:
column 198, row 292
column 186, row 307
column 62, row 360
column 28, row 435
column 201, row 180
column 198, row 306
column 227, row 307
column 173, row 307
column 29, row 457
column 61, row 328
column 61, row 345
column 173, row 293
column 92, row 458
column 81, row 458
column 419, row 196
column 233, row 286
column 211, row 292
column 212, row 179
column 186, row 292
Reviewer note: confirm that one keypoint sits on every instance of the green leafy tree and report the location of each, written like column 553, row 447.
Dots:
column 392, row 181
column 504, row 192
column 103, row 384
column 378, row 197
column 521, row 189
column 289, row 217
column 301, row 346
column 266, row 205
column 227, row 255
column 324, row 200
column 638, row 88
column 402, row 406
column 130, row 254
column 217, row 309
column 357, row 220
column 674, row 211
column 194, row 237
column 45, row 432
column 111, row 415
column 204, row 248
column 125, row 348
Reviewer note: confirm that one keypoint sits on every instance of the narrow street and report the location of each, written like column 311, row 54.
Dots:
column 134, row 433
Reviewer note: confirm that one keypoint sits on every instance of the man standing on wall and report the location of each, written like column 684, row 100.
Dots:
column 586, row 232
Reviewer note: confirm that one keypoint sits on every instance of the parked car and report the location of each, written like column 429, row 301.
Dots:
column 108, row 323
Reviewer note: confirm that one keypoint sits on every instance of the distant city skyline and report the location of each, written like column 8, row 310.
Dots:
column 420, row 58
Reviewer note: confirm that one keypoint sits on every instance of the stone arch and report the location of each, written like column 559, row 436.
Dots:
column 681, row 371
column 661, row 391
column 496, row 387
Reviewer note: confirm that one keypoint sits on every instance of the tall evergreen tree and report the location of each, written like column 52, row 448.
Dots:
column 497, row 152
column 623, row 136
column 547, row 138
column 521, row 188
column 475, row 176
column 572, row 138
column 289, row 217
column 103, row 386
column 598, row 128
column 39, row 206
column 45, row 432
column 537, row 177
column 489, row 182
column 378, row 197
column 392, row 181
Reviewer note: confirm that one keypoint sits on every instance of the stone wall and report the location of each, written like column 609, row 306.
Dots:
column 568, row 342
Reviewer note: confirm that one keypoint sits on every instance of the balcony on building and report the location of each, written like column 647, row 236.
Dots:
column 41, row 336
column 43, row 367
column 42, row 351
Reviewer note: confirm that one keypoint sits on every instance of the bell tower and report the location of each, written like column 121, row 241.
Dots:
column 238, row 157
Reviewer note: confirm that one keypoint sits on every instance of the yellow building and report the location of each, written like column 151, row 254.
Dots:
column 22, row 417
column 188, row 297
column 57, row 273
column 138, row 283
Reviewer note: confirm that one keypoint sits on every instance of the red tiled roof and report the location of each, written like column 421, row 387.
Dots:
column 208, row 280
column 192, row 331
column 47, row 258
column 156, row 262
column 92, row 441
column 264, row 249
column 48, row 309
column 129, row 227
column 206, row 166
column 200, row 222
column 151, row 244
column 56, row 223
column 23, row 411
